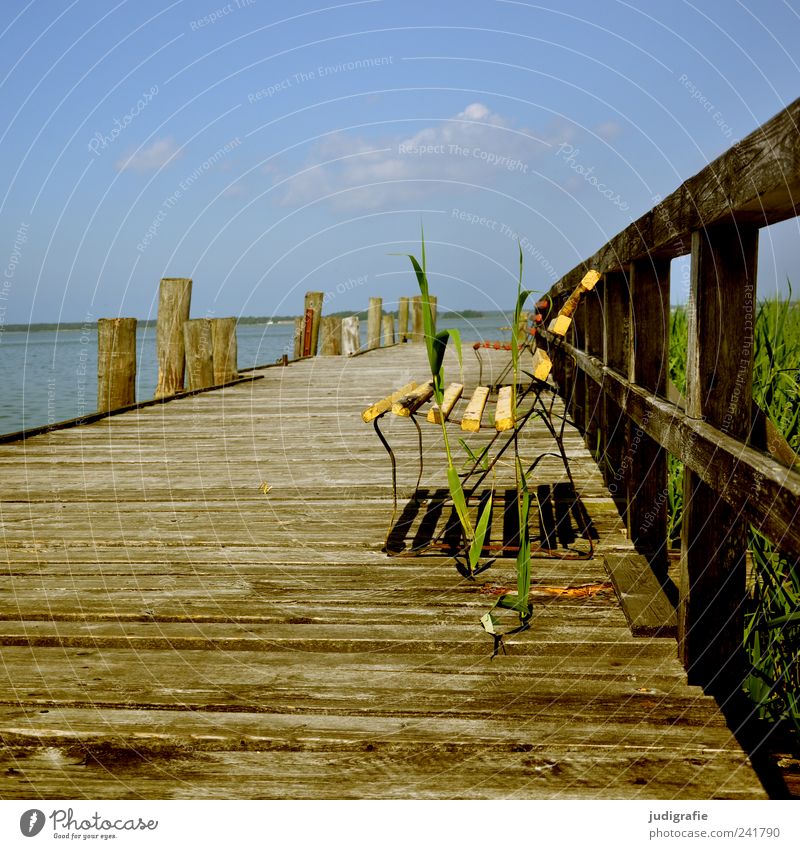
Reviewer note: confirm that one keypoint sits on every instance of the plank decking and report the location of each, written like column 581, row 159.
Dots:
column 194, row 603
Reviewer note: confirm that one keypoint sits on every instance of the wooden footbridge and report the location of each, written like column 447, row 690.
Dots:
column 194, row 601
column 171, row 630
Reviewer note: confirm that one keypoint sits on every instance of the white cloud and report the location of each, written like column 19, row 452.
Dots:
column 608, row 130
column 474, row 147
column 151, row 158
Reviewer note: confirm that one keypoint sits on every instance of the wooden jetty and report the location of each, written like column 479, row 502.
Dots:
column 195, row 601
column 195, row 604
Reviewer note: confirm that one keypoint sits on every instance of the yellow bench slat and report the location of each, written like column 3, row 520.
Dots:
column 386, row 403
column 412, row 401
column 451, row 396
column 504, row 414
column 471, row 420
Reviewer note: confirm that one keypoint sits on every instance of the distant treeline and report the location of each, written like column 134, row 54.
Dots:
column 245, row 319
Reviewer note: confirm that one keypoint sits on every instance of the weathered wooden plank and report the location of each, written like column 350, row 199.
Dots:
column 544, row 772
column 648, row 610
column 246, row 731
column 471, row 420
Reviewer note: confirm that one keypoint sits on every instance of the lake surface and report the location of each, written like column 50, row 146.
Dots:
column 47, row 376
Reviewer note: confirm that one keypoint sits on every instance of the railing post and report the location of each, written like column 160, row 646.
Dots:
column 616, row 348
column 647, row 494
column 580, row 378
column 558, row 354
column 593, row 335
column 174, row 299
column 719, row 374
column 374, row 322
column 299, row 322
column 116, row 363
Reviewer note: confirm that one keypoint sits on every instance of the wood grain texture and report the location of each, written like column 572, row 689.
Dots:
column 174, row 300
column 189, row 608
column 719, row 379
column 116, row 362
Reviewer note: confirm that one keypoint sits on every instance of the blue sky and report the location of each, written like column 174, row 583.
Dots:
column 265, row 149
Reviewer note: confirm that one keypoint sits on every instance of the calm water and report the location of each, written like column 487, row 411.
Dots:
column 48, row 376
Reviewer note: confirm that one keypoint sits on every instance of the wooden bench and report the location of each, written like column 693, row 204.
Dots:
column 527, row 343
column 410, row 400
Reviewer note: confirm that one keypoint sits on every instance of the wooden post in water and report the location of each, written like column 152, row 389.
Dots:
column 374, row 322
column 116, row 363
column 225, row 353
column 417, row 325
column 330, row 335
column 313, row 314
column 299, row 322
column 402, row 320
column 719, row 374
column 174, row 299
column 199, row 345
column 351, row 338
column 388, row 330
column 434, row 302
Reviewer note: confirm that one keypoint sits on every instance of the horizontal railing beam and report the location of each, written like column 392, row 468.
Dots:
column 756, row 181
column 766, row 493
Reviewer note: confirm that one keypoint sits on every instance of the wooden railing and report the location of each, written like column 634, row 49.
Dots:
column 612, row 365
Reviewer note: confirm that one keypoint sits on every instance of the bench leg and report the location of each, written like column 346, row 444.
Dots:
column 394, row 476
